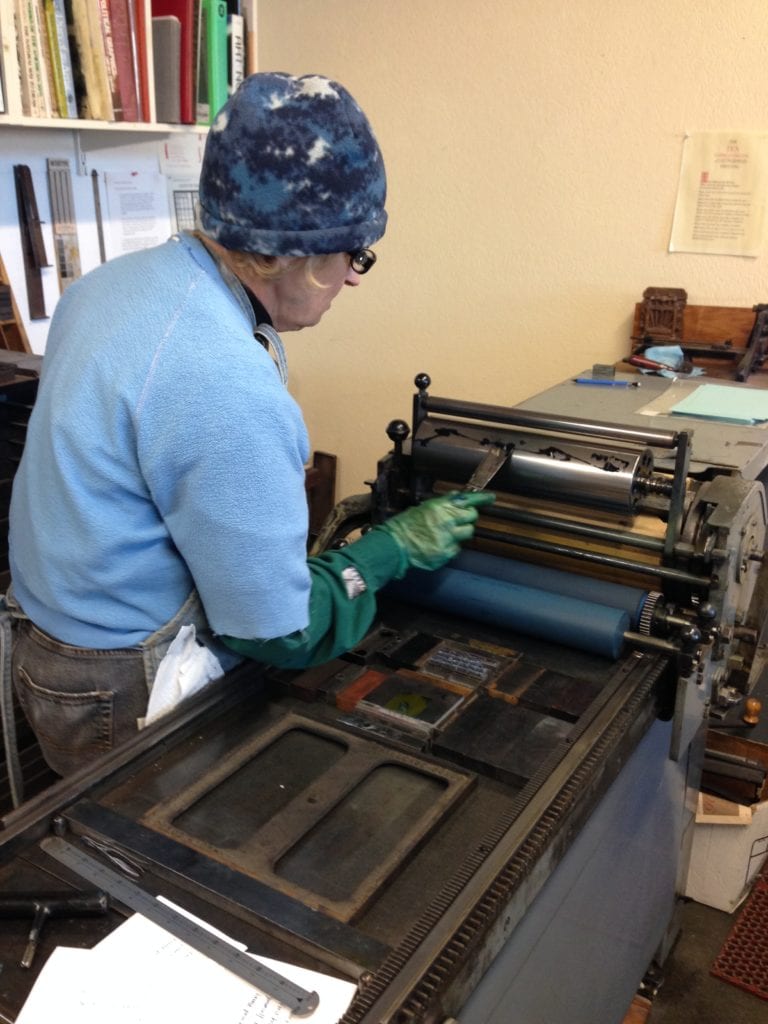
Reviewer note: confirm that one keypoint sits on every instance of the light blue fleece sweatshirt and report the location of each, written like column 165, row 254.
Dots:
column 163, row 452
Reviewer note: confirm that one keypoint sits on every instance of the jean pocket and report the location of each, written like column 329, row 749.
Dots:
column 72, row 727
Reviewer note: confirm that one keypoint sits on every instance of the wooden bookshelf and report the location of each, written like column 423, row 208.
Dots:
column 76, row 124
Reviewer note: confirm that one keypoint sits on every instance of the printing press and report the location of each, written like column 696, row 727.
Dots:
column 482, row 812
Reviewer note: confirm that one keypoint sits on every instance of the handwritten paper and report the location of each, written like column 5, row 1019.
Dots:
column 140, row 974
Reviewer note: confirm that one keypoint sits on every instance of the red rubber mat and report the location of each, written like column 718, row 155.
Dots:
column 743, row 960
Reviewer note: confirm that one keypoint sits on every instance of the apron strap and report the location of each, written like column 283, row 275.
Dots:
column 9, row 611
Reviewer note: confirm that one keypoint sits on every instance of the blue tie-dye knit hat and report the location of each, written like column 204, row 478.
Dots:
column 292, row 168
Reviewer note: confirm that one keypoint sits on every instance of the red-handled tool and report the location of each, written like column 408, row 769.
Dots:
column 652, row 364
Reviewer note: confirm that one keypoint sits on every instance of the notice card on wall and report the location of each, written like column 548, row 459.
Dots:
column 138, row 214
column 721, row 195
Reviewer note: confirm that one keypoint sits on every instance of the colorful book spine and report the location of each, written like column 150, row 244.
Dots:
column 80, row 47
column 120, row 20
column 43, row 43
column 133, row 37
column 142, row 24
column 235, row 52
column 61, row 60
column 57, row 78
column 166, row 44
column 202, row 107
column 216, row 32
column 10, row 57
column 33, row 79
column 196, row 18
column 184, row 11
column 99, row 92
column 110, row 61
column 65, row 56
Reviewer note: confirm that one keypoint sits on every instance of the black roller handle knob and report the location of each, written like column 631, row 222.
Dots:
column 397, row 432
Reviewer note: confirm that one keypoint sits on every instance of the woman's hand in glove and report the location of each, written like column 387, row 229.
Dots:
column 430, row 534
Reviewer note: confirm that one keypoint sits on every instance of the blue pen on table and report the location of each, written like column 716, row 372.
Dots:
column 607, row 382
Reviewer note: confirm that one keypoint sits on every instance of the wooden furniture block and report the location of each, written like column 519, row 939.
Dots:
column 12, row 333
column 726, row 327
column 320, row 485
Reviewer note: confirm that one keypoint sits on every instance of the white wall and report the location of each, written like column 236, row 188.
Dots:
column 533, row 152
column 114, row 151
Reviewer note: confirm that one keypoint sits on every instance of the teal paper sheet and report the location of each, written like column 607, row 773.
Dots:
column 716, row 402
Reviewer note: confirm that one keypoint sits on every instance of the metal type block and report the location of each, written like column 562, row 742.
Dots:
column 508, row 742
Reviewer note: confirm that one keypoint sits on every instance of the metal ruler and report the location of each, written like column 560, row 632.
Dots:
column 301, row 1002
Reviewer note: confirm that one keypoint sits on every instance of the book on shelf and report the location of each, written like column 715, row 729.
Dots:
column 61, row 60
column 125, row 66
column 35, row 90
column 142, row 53
column 41, row 28
column 11, row 75
column 185, row 11
column 74, row 57
column 197, row 17
column 212, row 75
column 95, row 99
column 136, row 68
column 110, row 62
column 202, row 109
column 166, row 43
column 235, row 52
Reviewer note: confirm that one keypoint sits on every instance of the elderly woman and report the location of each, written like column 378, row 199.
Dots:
column 162, row 481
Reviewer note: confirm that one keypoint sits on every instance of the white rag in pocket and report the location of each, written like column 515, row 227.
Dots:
column 186, row 668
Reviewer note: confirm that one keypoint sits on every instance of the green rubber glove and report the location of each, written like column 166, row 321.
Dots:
column 430, row 534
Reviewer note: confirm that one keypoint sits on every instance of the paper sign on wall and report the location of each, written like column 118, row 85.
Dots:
column 139, row 217
column 720, row 205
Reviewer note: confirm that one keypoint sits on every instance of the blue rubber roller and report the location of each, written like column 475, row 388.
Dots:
column 565, row 620
column 615, row 595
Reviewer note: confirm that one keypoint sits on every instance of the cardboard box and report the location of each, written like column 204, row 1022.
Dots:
column 730, row 840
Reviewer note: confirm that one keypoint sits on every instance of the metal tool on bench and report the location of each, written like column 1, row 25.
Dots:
column 42, row 906
column 487, row 469
column 300, row 1001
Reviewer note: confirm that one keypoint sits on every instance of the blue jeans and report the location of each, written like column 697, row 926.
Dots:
column 81, row 702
